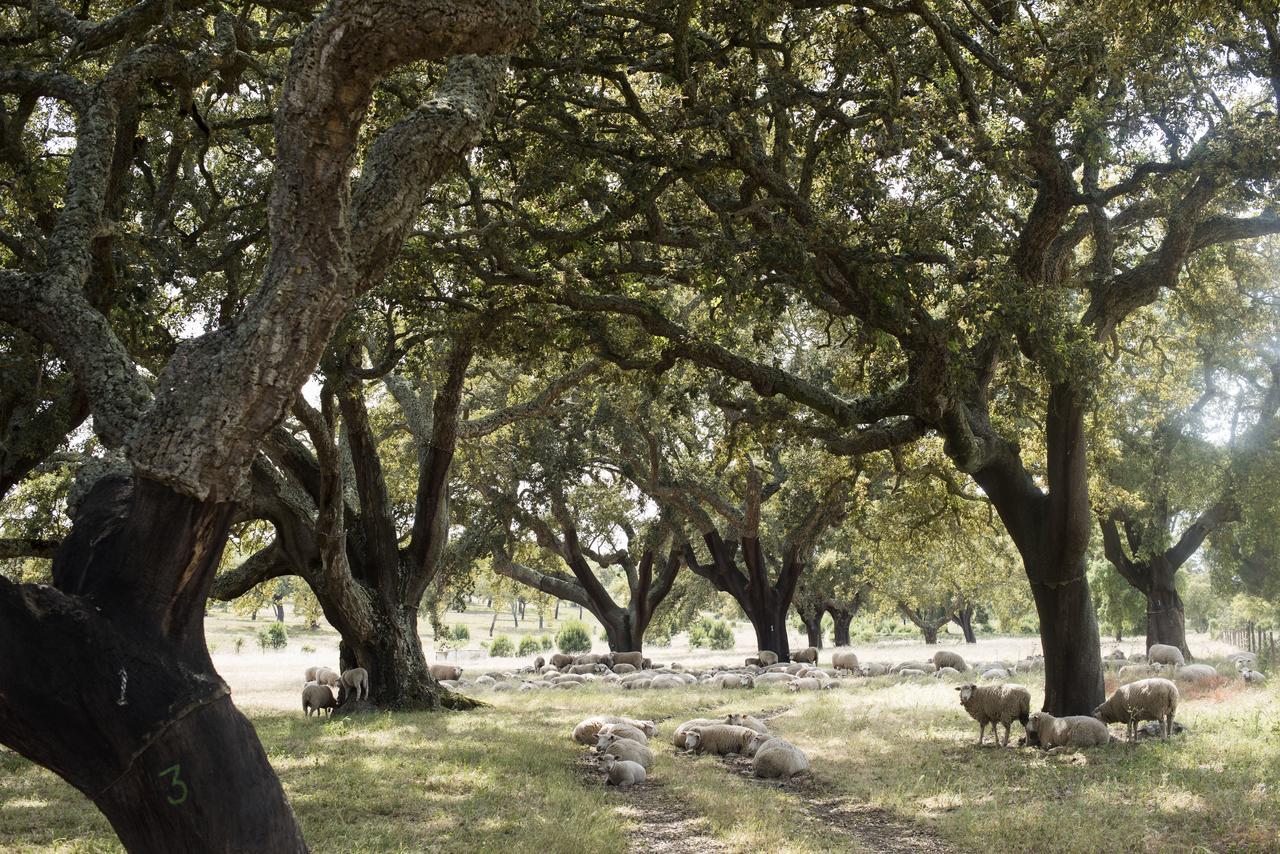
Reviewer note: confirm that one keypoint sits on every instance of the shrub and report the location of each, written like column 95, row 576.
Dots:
column 273, row 637
column 461, row 633
column 502, row 647
column 239, row 645
column 573, row 637
column 308, row 648
column 545, row 643
column 715, row 634
column 528, row 645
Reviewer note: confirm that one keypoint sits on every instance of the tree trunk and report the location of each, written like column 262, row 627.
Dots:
column 1069, row 638
column 964, row 619
column 813, row 628
column 107, row 681
column 842, row 621
column 494, row 622
column 1166, row 622
column 515, row 614
column 770, row 623
column 279, row 609
column 622, row 632
column 556, row 615
column 930, row 632
column 392, row 653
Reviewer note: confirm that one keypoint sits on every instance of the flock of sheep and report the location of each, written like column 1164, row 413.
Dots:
column 318, row 684
column 622, row 749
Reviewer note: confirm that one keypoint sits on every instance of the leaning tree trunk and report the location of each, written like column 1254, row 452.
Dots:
column 1166, row 621
column 964, row 619
column 109, row 684
column 842, row 619
column 812, row 621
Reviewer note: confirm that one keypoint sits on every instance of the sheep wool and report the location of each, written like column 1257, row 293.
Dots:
column 809, row 654
column 1146, row 700
column 625, row 748
column 621, row 772
column 720, row 739
column 778, row 759
column 996, row 704
column 945, row 658
column 844, row 660
column 1163, row 653
column 1070, row 731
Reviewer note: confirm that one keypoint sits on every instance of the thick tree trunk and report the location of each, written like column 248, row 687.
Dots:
column 770, row 623
column 106, row 679
column 1069, row 638
column 1166, row 622
column 393, row 655
column 842, row 621
column 930, row 632
column 813, row 628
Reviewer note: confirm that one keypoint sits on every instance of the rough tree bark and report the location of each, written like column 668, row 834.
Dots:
column 127, row 706
column 963, row 617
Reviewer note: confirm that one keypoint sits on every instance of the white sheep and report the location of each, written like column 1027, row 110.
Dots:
column 667, row 680
column 994, row 673
column 766, row 657
column 734, row 680
column 622, row 730
column 588, row 730
column 445, row 671
column 1145, row 700
column 327, row 676
column 318, row 698
column 625, row 748
column 621, row 772
column 845, row 659
column 1163, row 653
column 996, row 704
column 777, row 759
column 678, row 737
column 636, row 684
column 1130, row 672
column 310, row 675
column 1251, row 676
column 1070, row 731
column 720, row 739
column 806, row 683
column 1197, row 673
column 622, row 668
column 354, row 680
column 808, row 654
column 911, row 672
column 747, row 721
column 774, row 679
column 945, row 672
column 872, row 668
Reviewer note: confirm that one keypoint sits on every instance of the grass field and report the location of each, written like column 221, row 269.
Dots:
column 894, row 768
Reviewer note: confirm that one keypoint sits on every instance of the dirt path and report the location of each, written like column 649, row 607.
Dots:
column 664, row 824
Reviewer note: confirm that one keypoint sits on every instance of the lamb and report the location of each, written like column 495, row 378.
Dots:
column 317, row 698
column 766, row 657
column 747, row 721
column 1197, row 673
column 678, row 738
column 622, row 730
column 720, row 739
column 844, row 660
column 775, row 758
column 808, row 654
column 625, row 748
column 946, row 658
column 635, row 659
column 1145, row 700
column 621, row 772
column 354, row 680
column 1163, row 653
column 587, row 731
column 445, row 671
column 326, row 676
column 996, row 704
column 1070, row 731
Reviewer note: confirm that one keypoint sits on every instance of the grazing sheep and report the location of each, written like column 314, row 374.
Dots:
column 1146, row 700
column 747, row 721
column 355, row 680
column 845, row 660
column 994, row 673
column 733, row 680
column 1130, row 672
column 996, row 704
column 767, row 657
column 635, row 659
column 625, row 748
column 720, row 739
column 1163, row 653
column 621, row 772
column 560, row 661
column 1071, row 731
column 1197, row 673
column 808, row 654
column 1117, row 654
column 317, row 698
column 678, row 737
column 777, row 759
column 538, row 664
column 445, row 671
column 622, row 730
column 872, row 668
column 947, row 658
column 326, row 676
column 310, row 675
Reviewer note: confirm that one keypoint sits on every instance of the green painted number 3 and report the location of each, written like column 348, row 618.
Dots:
column 179, row 788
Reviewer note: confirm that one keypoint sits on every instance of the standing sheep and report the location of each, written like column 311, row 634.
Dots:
column 766, row 657
column 946, row 658
column 310, row 675
column 559, row 660
column 844, row 660
column 354, row 680
column 1071, row 731
column 635, row 659
column 1145, row 700
column 809, row 654
column 1163, row 653
column 445, row 671
column 317, row 698
column 996, row 704
column 328, row 677
column 777, row 759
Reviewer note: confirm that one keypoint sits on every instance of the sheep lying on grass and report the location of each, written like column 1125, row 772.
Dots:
column 1197, row 672
column 1130, row 672
column 776, row 759
column 317, row 698
column 622, row 773
column 747, row 721
column 622, row 730
column 996, row 704
column 625, row 748
column 588, row 730
column 1248, row 674
column 1145, row 700
column 1071, row 731
column 720, row 739
column 679, row 737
